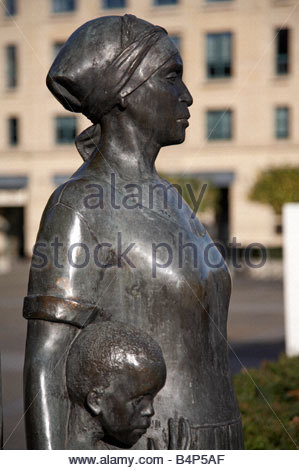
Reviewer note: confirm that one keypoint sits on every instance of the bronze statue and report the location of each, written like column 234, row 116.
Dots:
column 113, row 374
column 116, row 242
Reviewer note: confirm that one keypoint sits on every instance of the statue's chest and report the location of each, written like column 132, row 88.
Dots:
column 160, row 248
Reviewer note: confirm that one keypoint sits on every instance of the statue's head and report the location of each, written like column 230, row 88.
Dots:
column 114, row 371
column 124, row 64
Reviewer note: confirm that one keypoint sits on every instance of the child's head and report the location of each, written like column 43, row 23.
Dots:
column 115, row 371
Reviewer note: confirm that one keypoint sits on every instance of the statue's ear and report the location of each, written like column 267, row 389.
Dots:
column 94, row 400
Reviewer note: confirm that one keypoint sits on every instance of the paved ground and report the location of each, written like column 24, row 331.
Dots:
column 255, row 331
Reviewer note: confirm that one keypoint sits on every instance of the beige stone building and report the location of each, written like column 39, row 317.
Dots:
column 241, row 60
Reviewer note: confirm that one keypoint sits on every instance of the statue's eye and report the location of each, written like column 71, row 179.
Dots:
column 138, row 400
column 172, row 76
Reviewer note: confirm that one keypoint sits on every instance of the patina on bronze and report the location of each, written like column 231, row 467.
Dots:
column 113, row 374
column 130, row 258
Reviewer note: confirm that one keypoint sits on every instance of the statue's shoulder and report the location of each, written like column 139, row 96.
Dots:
column 71, row 205
column 71, row 195
column 63, row 204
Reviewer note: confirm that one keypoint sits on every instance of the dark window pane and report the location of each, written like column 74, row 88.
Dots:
column 60, row 6
column 10, row 7
column 176, row 40
column 65, row 129
column 219, row 55
column 219, row 125
column 13, row 131
column 56, row 48
column 282, row 123
column 114, row 3
column 282, row 52
column 11, row 66
column 166, row 2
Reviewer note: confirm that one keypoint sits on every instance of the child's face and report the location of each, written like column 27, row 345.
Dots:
column 127, row 404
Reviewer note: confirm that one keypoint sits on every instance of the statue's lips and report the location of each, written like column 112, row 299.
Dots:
column 142, row 428
column 184, row 119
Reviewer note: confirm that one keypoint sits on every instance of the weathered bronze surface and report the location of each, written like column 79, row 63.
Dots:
column 113, row 373
column 116, row 242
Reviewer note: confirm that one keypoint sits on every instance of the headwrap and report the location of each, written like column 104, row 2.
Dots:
column 103, row 61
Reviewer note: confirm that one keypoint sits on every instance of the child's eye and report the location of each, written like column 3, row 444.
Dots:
column 138, row 400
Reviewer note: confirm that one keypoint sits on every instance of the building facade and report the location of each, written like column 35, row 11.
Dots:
column 241, row 64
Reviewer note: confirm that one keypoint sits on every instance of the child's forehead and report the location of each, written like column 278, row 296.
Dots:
column 147, row 375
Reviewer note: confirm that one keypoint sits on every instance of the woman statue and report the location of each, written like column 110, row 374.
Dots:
column 116, row 242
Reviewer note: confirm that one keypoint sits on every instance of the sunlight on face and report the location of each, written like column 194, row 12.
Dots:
column 127, row 404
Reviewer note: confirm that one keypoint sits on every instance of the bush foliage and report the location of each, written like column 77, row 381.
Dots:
column 269, row 403
column 276, row 186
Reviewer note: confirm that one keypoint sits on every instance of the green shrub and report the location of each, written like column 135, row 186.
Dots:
column 276, row 187
column 269, row 403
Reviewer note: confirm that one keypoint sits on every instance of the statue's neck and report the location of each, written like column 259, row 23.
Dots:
column 127, row 151
column 84, row 430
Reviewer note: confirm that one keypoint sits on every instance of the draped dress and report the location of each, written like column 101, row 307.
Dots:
column 152, row 265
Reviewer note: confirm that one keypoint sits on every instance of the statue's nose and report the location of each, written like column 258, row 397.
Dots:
column 148, row 409
column 186, row 96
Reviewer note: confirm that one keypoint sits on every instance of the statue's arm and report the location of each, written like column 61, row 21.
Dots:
column 45, row 395
column 61, row 299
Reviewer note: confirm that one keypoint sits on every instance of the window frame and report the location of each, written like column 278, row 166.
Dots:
column 55, row 11
column 106, row 7
column 157, row 4
column 58, row 140
column 7, row 11
column 288, row 54
column 286, row 135
column 11, row 69
column 209, row 134
column 222, row 76
column 13, row 142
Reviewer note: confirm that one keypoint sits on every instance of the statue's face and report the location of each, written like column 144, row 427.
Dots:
column 160, row 106
column 127, row 404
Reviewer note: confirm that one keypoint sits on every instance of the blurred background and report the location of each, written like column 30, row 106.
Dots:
column 241, row 64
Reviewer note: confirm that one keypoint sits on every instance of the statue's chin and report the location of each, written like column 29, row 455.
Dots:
column 178, row 140
column 123, row 445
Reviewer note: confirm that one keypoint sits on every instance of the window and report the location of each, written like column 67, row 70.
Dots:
column 11, row 66
column 10, row 7
column 218, row 53
column 114, row 3
column 65, row 129
column 56, row 48
column 176, row 40
column 60, row 6
column 219, row 125
column 165, row 2
column 282, row 51
column 282, row 122
column 13, row 131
